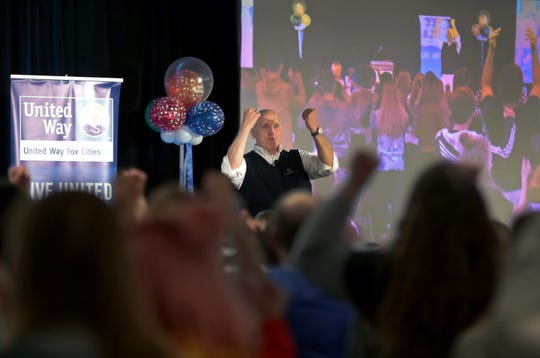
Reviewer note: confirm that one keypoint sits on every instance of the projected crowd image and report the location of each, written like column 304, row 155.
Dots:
column 414, row 83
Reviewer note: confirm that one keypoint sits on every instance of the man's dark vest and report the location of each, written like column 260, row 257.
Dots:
column 264, row 183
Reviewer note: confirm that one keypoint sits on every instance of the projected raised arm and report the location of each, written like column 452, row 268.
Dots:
column 325, row 152
column 436, row 31
column 487, row 72
column 455, row 35
column 530, row 34
column 299, row 96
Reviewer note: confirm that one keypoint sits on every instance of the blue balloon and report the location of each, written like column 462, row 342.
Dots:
column 205, row 118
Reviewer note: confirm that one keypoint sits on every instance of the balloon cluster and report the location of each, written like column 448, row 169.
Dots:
column 299, row 18
column 185, row 115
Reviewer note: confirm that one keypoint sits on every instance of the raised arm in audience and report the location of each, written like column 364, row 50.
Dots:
column 318, row 251
column 533, row 41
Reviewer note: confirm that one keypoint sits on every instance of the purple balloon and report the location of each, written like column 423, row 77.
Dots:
column 205, row 118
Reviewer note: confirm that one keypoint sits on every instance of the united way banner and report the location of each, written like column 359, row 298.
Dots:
column 64, row 130
column 431, row 42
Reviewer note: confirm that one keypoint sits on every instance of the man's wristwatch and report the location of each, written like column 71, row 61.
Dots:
column 317, row 132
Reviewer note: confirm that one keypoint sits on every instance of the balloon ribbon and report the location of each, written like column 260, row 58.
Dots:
column 300, row 41
column 186, row 167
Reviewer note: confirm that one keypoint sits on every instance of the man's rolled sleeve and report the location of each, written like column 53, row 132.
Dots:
column 235, row 175
column 314, row 167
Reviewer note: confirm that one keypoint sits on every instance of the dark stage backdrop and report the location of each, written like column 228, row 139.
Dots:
column 137, row 42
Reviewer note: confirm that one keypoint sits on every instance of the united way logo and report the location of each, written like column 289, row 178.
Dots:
column 94, row 119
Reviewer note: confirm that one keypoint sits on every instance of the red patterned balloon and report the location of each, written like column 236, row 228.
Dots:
column 187, row 86
column 168, row 113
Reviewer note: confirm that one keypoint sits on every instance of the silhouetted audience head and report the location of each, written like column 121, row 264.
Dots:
column 510, row 83
column 504, row 235
column 366, row 76
column 403, row 83
column 416, row 89
column 428, row 122
column 445, row 265
column 337, row 69
column 432, row 89
column 385, row 77
column 12, row 201
column 289, row 213
column 164, row 195
column 461, row 78
column 392, row 118
column 326, row 82
column 521, row 221
column 462, row 104
column 73, row 274
column 177, row 249
column 271, row 78
column 432, row 113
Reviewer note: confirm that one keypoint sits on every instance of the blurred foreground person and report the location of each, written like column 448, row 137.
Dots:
column 432, row 282
column 203, row 311
column 75, row 293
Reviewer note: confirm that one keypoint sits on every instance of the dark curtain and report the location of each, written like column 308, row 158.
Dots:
column 134, row 41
